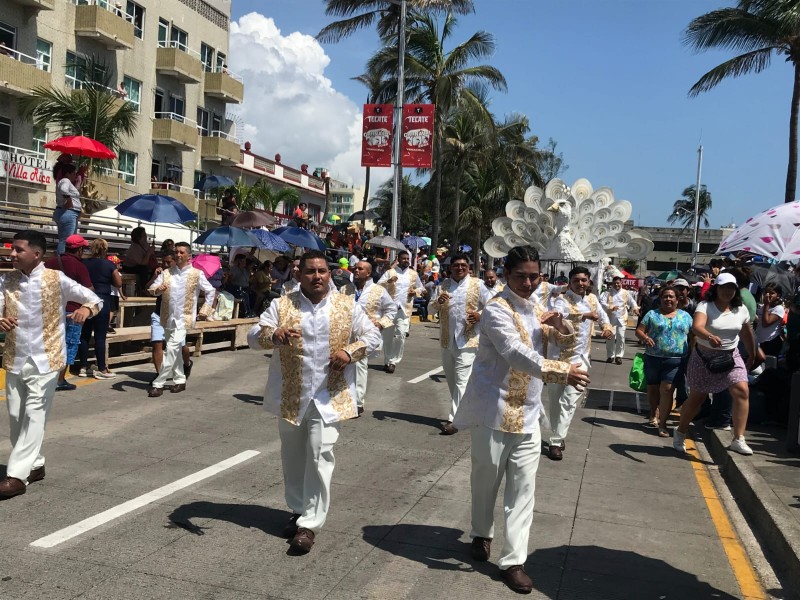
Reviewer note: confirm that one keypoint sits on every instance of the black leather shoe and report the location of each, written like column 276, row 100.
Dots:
column 555, row 452
column 36, row 475
column 291, row 527
column 517, row 579
column 449, row 429
column 187, row 369
column 481, row 548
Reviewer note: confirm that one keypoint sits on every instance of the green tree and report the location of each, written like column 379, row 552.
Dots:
column 757, row 30
column 444, row 78
column 414, row 215
column 486, row 192
column 683, row 209
column 552, row 164
column 264, row 195
column 360, row 14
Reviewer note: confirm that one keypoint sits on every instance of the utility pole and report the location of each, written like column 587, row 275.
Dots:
column 398, row 116
column 696, row 244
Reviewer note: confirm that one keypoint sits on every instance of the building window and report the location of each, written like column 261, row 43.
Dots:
column 207, row 57
column 222, row 63
column 134, row 90
column 39, row 138
column 44, row 50
column 75, row 71
column 127, row 166
column 177, row 106
column 5, row 132
column 179, row 38
column 8, row 35
column 163, row 33
column 137, row 12
column 202, row 121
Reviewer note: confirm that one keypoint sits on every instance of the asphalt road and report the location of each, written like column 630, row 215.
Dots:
column 182, row 497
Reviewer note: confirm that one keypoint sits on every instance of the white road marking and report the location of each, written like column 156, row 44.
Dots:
column 61, row 536
column 426, row 375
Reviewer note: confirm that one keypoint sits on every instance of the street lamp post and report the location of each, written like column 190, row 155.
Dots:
column 398, row 114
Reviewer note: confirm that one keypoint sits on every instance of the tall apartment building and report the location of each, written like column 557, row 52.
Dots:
column 169, row 56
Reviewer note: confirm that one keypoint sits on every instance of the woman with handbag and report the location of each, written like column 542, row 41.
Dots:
column 716, row 364
column 665, row 333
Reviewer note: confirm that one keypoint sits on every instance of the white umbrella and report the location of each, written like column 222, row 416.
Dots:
column 774, row 233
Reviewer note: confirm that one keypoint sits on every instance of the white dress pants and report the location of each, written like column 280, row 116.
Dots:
column 362, row 370
column 307, row 457
column 615, row 346
column 394, row 339
column 457, row 365
column 515, row 455
column 29, row 396
column 563, row 402
column 172, row 365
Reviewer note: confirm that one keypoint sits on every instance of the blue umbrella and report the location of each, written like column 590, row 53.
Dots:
column 270, row 241
column 300, row 237
column 155, row 208
column 214, row 181
column 413, row 241
column 228, row 236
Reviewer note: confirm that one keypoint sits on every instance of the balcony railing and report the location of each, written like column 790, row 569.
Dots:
column 173, row 58
column 111, row 26
column 224, row 85
column 175, row 130
column 20, row 74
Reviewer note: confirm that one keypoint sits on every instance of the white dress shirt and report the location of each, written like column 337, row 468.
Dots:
column 398, row 282
column 499, row 286
column 622, row 301
column 299, row 373
column 377, row 303
column 455, row 326
column 505, row 387
column 179, row 299
column 38, row 303
column 573, row 307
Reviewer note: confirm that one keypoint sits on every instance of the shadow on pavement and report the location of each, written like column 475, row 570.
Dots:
column 250, row 398
column 382, row 415
column 601, row 422
column 628, row 451
column 269, row 520
column 430, row 545
column 619, row 574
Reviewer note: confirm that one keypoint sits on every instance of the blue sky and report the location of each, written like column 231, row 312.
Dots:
column 608, row 80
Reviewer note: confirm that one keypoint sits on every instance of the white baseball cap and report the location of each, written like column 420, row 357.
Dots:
column 725, row 278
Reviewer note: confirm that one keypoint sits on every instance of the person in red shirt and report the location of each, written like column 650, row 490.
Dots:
column 70, row 264
column 301, row 215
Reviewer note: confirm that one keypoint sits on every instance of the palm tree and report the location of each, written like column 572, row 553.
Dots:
column 262, row 194
column 373, row 83
column 359, row 14
column 443, row 78
column 758, row 29
column 414, row 216
column 486, row 192
column 683, row 209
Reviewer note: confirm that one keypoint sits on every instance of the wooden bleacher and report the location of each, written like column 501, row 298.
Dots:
column 132, row 344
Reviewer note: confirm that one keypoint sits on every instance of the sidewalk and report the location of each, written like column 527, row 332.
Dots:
column 766, row 486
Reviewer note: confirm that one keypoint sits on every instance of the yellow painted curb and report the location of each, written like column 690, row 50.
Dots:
column 740, row 563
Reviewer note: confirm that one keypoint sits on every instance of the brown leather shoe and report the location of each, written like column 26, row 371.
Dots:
column 448, row 429
column 555, row 452
column 303, row 540
column 11, row 486
column 390, row 368
column 154, row 392
column 481, row 548
column 36, row 475
column 178, row 388
column 517, row 579
column 291, row 527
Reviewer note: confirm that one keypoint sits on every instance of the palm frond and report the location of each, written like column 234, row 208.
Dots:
column 732, row 29
column 744, row 64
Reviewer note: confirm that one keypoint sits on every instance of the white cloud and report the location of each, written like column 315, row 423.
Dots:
column 290, row 107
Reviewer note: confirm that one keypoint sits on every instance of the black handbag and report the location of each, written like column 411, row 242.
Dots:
column 721, row 362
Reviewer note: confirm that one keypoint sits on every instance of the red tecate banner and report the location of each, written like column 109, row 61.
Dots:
column 376, row 141
column 417, row 142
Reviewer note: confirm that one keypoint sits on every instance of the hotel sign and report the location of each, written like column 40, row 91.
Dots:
column 25, row 167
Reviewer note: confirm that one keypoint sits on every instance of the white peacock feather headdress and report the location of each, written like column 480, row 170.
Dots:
column 574, row 223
